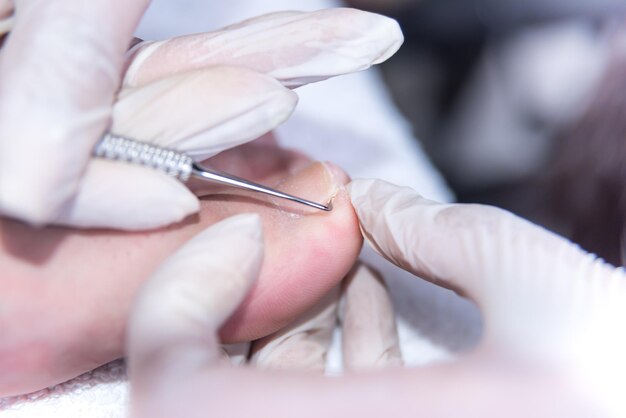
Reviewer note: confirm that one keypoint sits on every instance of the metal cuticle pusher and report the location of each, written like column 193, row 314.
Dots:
column 181, row 166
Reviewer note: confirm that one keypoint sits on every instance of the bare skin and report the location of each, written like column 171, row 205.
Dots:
column 65, row 294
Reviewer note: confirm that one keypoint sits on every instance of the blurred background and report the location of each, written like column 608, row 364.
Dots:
column 521, row 105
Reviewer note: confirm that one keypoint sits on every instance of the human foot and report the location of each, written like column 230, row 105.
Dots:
column 66, row 293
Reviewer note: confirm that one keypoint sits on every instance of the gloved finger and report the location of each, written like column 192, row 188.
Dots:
column 201, row 113
column 461, row 247
column 296, row 48
column 59, row 70
column 173, row 327
column 109, row 197
column 304, row 344
column 368, row 322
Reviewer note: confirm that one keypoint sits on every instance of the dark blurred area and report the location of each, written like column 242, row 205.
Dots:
column 521, row 105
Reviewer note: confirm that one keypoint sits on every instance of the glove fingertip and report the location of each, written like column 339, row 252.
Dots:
column 390, row 31
column 34, row 208
column 109, row 198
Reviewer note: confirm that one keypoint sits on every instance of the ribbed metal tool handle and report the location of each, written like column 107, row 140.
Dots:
column 176, row 164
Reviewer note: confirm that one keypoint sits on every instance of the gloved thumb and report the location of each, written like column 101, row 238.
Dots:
column 172, row 332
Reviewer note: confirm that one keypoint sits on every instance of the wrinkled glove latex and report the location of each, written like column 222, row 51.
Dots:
column 553, row 314
column 60, row 69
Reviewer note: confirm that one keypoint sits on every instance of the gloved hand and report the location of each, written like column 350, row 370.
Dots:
column 164, row 319
column 552, row 313
column 59, row 71
column 552, row 343
column 61, row 66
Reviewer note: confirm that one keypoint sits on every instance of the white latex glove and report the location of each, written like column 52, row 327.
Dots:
column 52, row 113
column 553, row 344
